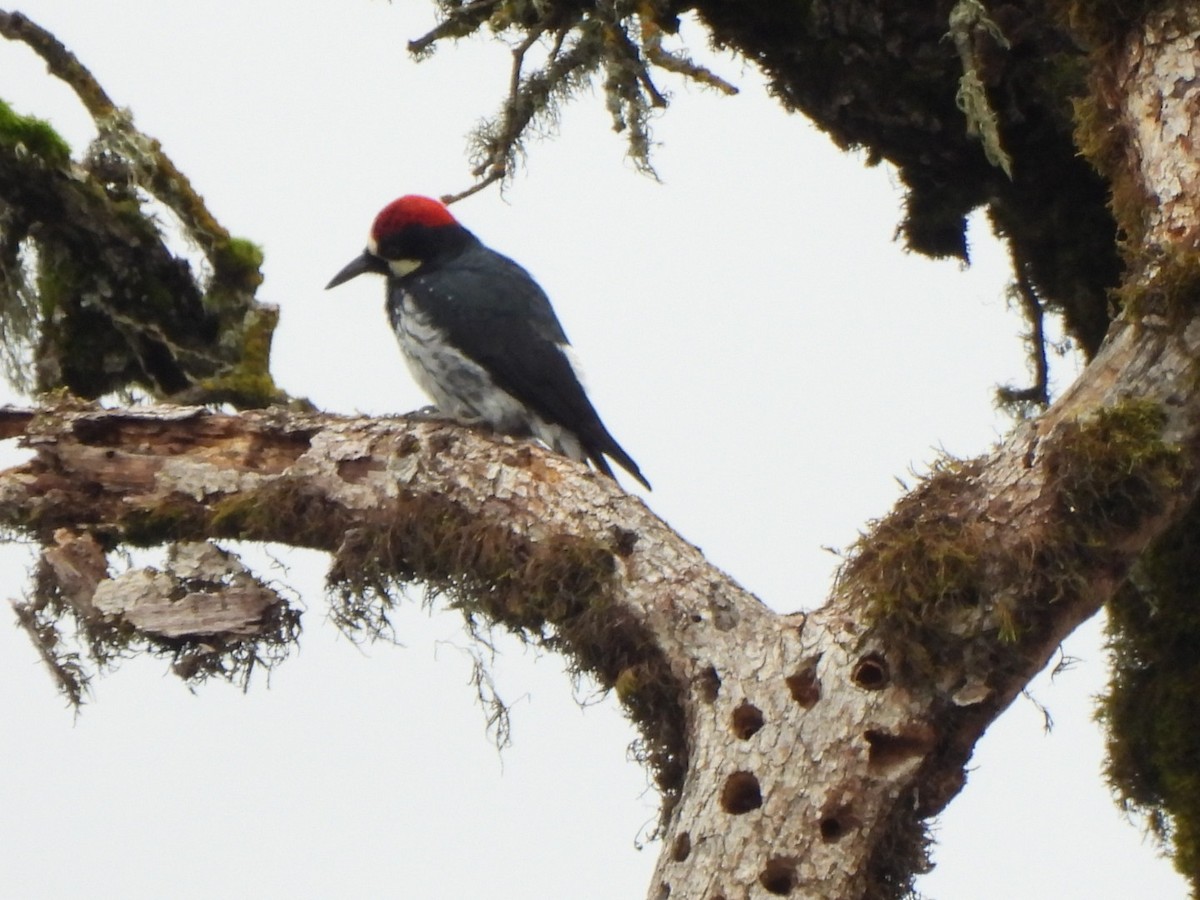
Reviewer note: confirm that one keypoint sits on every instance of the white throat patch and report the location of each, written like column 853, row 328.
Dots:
column 401, row 267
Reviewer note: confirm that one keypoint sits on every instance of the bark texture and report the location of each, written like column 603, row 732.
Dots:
column 798, row 755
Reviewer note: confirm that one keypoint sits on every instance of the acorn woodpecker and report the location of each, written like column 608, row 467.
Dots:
column 479, row 335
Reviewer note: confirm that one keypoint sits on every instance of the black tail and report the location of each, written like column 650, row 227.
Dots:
column 597, row 450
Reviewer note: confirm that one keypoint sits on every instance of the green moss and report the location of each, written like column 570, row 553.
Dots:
column 245, row 328
column 242, row 514
column 58, row 280
column 33, row 136
column 258, row 515
column 627, row 683
column 1111, row 471
column 237, row 265
column 919, row 569
column 1152, row 705
column 245, row 255
column 1102, row 137
column 248, row 383
column 175, row 518
column 258, row 330
column 1173, row 292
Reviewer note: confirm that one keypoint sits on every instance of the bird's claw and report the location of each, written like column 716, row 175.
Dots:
column 427, row 414
column 433, row 414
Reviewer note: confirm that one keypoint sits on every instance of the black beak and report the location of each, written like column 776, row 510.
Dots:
column 367, row 262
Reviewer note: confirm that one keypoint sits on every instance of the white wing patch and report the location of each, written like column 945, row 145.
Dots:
column 569, row 352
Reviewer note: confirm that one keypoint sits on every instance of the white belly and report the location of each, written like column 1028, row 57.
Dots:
column 461, row 388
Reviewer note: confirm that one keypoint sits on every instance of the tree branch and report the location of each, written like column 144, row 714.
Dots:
column 832, row 733
column 795, row 752
column 109, row 287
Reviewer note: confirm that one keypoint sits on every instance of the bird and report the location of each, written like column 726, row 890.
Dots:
column 479, row 334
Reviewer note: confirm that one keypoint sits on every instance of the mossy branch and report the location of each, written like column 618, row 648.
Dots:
column 378, row 496
column 1152, row 701
column 60, row 61
column 957, row 598
column 145, row 157
column 110, row 307
column 622, row 39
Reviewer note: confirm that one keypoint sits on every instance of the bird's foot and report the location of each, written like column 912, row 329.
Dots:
column 428, row 414
column 433, row 414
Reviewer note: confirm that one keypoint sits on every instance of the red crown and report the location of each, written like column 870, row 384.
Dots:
column 410, row 209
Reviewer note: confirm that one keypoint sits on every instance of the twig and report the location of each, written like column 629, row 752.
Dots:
column 664, row 59
column 496, row 164
column 528, row 97
column 153, row 168
column 461, row 22
column 1031, row 305
column 60, row 62
column 65, row 668
column 496, row 174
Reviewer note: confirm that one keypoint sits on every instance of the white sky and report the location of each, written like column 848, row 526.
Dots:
column 751, row 334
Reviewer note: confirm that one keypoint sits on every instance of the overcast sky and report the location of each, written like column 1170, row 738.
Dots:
column 751, row 335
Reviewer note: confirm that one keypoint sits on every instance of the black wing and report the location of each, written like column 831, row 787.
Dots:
column 494, row 312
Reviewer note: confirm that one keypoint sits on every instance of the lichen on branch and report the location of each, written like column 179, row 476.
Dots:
column 376, row 495
column 202, row 609
column 93, row 297
column 623, row 40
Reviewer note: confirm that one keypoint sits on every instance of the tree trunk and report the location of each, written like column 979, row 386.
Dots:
column 798, row 754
